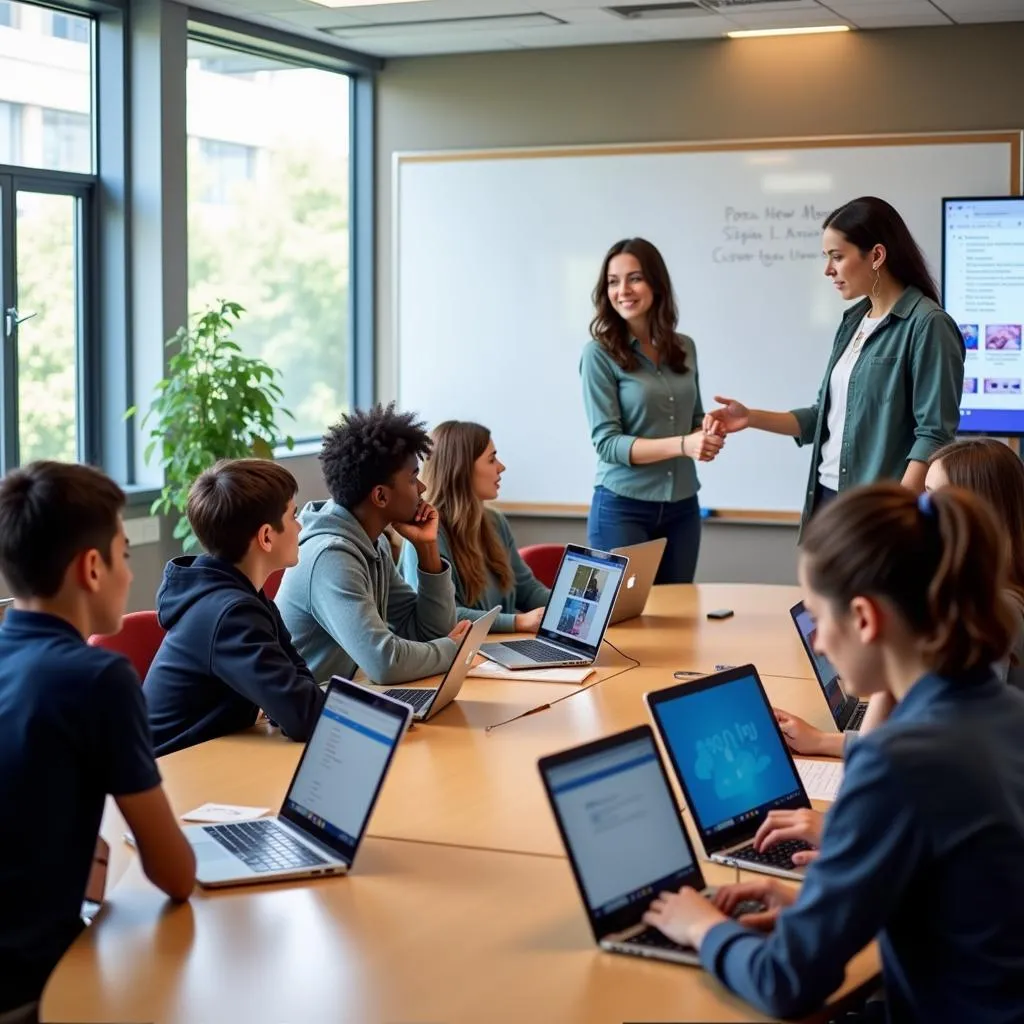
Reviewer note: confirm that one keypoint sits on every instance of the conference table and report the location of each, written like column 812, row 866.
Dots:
column 461, row 906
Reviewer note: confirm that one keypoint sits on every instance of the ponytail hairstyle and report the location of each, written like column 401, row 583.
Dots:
column 938, row 560
column 472, row 535
column 993, row 471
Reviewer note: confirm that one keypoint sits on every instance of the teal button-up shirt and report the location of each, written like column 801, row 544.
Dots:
column 648, row 402
column 903, row 402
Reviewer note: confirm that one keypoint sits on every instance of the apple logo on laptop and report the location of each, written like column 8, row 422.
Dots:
column 631, row 582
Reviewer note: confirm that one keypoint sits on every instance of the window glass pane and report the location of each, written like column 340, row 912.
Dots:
column 268, row 162
column 46, row 266
column 46, row 80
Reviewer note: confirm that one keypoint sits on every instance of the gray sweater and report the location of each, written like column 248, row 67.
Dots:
column 345, row 604
column 525, row 594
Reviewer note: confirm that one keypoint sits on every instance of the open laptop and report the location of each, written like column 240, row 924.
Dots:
column 427, row 701
column 576, row 615
column 847, row 710
column 625, row 839
column 732, row 764
column 327, row 806
column 644, row 560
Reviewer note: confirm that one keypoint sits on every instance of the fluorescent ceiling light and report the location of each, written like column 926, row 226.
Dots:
column 809, row 30
column 361, row 3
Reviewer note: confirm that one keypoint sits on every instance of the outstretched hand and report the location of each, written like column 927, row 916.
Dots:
column 730, row 417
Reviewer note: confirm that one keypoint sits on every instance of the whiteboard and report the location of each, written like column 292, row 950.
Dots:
column 497, row 253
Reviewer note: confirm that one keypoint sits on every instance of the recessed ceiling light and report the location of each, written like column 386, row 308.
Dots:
column 360, row 3
column 809, row 30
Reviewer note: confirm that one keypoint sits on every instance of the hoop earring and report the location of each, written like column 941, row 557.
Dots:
column 874, row 287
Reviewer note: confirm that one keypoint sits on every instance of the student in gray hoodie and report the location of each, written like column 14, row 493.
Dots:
column 345, row 604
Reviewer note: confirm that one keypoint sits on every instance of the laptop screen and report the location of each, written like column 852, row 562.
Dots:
column 582, row 597
column 828, row 677
column 343, row 765
column 620, row 824
column 727, row 751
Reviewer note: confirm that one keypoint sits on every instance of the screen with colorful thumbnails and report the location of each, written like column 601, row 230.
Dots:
column 983, row 290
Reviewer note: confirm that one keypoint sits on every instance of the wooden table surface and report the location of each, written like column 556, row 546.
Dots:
column 461, row 904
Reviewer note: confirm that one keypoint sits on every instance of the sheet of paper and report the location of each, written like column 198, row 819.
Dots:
column 821, row 779
column 492, row 670
column 224, row 812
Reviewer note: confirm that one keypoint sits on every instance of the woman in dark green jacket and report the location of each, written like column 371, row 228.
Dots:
column 891, row 392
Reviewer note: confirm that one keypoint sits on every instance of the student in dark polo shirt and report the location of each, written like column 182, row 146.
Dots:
column 72, row 722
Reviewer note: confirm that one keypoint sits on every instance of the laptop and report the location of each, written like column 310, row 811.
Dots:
column 625, row 839
column 328, row 803
column 847, row 710
column 431, row 700
column 644, row 560
column 732, row 764
column 575, row 617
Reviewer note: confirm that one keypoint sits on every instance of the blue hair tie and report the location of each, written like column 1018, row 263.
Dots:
column 925, row 504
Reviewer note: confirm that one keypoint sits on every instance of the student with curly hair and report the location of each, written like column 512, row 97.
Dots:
column 345, row 604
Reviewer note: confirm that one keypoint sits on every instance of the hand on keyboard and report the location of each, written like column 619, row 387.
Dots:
column 801, row 828
column 772, row 895
column 686, row 916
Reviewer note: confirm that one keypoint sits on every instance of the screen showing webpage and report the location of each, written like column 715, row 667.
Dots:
column 582, row 598
column 344, row 762
column 621, row 824
column 983, row 290
column 827, row 674
column 727, row 747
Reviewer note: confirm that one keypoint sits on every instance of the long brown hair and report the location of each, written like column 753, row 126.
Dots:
column 938, row 559
column 472, row 535
column 870, row 221
column 611, row 332
column 993, row 471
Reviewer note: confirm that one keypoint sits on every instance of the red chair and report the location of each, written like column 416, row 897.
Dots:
column 273, row 583
column 543, row 560
column 141, row 634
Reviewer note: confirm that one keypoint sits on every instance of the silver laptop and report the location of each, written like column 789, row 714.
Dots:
column 732, row 764
column 576, row 616
column 625, row 839
column 644, row 560
column 327, row 806
column 847, row 710
column 427, row 701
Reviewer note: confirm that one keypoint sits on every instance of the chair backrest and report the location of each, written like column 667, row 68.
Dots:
column 273, row 583
column 543, row 560
column 140, row 637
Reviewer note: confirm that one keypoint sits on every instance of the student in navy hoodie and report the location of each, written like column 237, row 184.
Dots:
column 227, row 654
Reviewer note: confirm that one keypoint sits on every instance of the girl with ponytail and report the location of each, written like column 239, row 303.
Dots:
column 924, row 844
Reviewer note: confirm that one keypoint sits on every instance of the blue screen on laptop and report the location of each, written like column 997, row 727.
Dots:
column 828, row 677
column 725, row 743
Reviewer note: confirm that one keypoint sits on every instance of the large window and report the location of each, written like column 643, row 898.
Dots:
column 268, row 160
column 46, row 219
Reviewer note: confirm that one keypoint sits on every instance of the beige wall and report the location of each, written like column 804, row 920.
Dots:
column 907, row 80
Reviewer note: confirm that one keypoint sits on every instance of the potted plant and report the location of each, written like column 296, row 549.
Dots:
column 215, row 403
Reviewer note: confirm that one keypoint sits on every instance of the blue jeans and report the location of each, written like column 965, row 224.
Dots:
column 615, row 522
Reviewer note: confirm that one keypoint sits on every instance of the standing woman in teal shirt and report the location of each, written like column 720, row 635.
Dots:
column 641, row 392
column 891, row 393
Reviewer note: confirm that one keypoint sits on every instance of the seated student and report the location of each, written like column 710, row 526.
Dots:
column 72, row 721
column 345, row 603
column 924, row 845
column 993, row 471
column 227, row 654
column 462, row 473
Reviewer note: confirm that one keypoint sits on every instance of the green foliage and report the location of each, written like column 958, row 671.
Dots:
column 215, row 403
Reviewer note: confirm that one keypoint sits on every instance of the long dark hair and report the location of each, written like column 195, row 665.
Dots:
column 869, row 221
column 993, row 471
column 940, row 561
column 611, row 332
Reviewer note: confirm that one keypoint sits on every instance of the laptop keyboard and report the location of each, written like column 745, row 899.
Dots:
column 779, row 856
column 416, row 699
column 651, row 937
column 263, row 845
column 537, row 651
column 857, row 717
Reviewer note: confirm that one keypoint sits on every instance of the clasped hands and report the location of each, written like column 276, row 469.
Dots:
column 704, row 444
